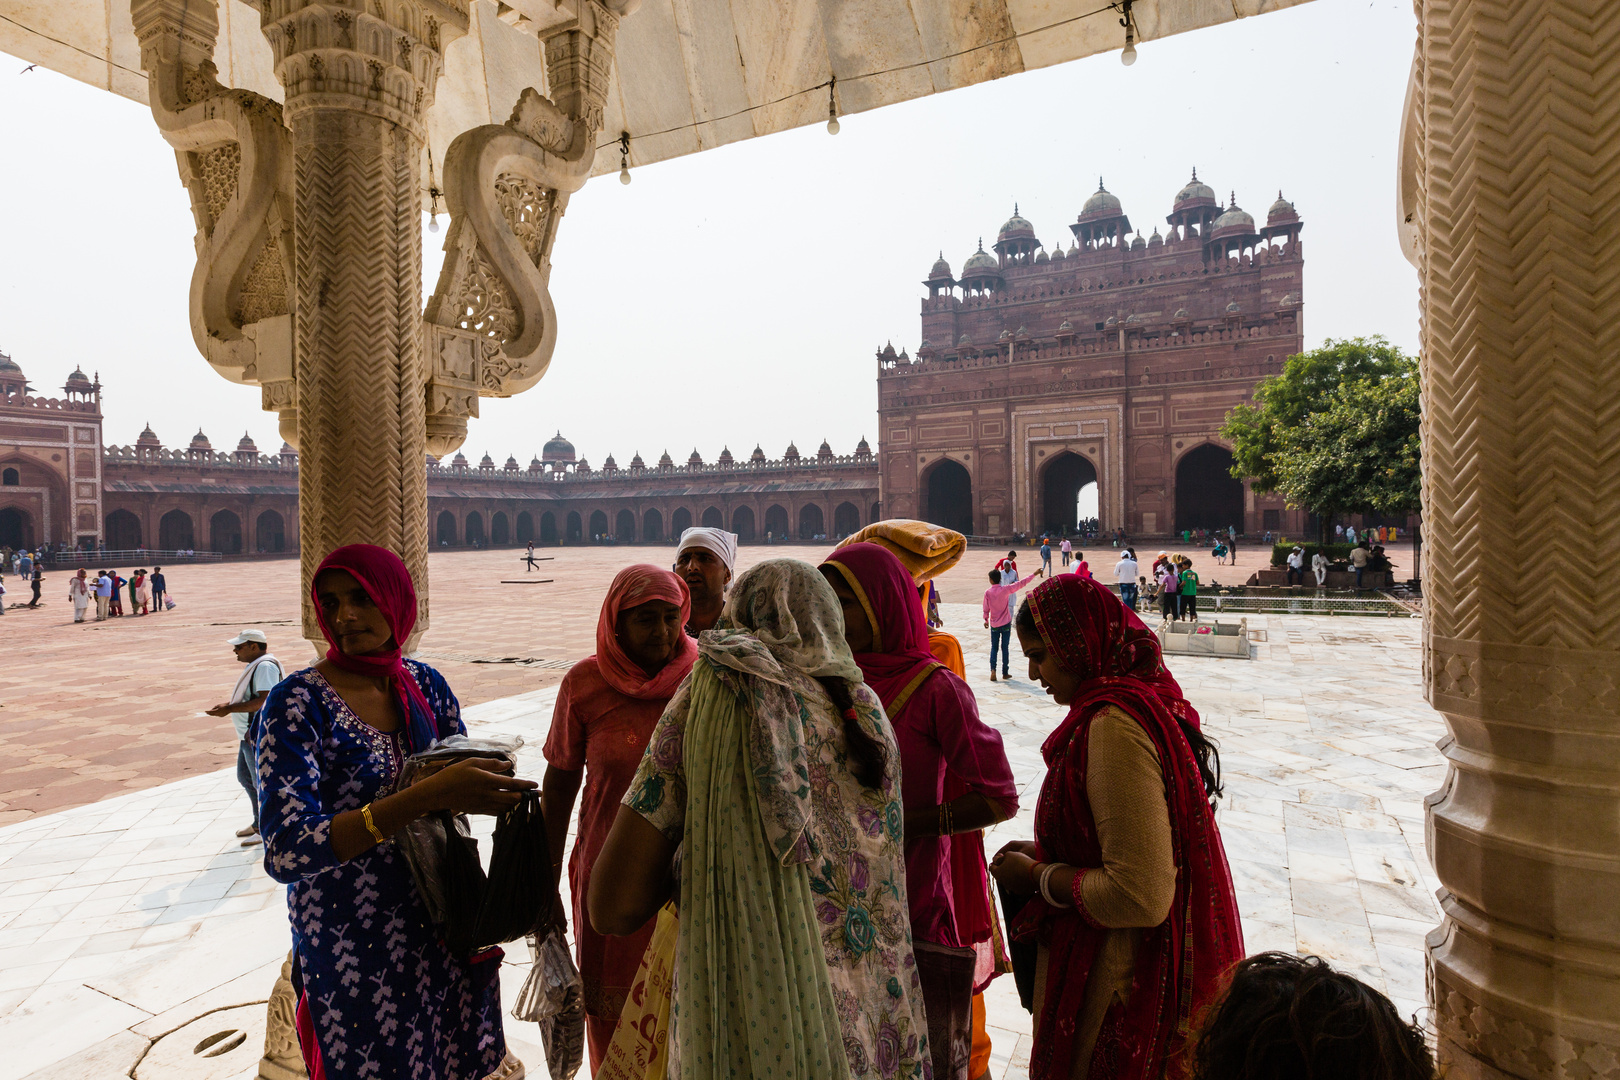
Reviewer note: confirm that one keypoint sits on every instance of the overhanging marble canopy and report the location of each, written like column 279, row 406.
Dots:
column 681, row 65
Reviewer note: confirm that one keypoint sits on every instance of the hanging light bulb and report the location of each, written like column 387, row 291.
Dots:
column 832, row 106
column 624, row 157
column 1128, row 56
column 433, row 196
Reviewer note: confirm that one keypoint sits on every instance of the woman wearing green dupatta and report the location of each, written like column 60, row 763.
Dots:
column 776, row 768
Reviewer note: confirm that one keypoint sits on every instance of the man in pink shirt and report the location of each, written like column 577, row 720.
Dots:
column 998, row 618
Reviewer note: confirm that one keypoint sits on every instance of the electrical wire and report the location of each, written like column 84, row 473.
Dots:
column 69, row 45
column 824, row 84
column 869, row 75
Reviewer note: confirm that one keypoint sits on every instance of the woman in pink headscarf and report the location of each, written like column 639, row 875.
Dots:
column 607, row 707
column 938, row 730
column 331, row 741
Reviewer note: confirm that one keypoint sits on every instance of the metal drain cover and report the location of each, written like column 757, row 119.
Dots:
column 216, row 1046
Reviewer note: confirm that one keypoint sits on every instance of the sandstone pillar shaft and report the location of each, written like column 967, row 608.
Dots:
column 359, row 78
column 1511, row 209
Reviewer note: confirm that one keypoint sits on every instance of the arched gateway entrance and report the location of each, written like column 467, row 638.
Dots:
column 1207, row 495
column 948, row 496
column 1064, row 476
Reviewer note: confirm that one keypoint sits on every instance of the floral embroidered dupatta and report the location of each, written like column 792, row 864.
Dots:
column 1179, row 963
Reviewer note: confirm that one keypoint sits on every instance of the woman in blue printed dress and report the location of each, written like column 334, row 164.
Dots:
column 379, row 994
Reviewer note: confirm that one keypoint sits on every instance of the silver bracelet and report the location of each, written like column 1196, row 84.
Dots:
column 1046, row 876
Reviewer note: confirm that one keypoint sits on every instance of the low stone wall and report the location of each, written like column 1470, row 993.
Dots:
column 1336, row 579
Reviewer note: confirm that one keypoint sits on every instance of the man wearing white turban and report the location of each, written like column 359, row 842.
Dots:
column 705, row 561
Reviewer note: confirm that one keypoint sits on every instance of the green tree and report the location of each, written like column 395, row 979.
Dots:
column 1336, row 432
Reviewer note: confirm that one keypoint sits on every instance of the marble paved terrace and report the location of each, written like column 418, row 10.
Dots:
column 138, row 916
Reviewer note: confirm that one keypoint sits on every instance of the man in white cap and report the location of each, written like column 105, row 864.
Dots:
column 263, row 672
column 705, row 560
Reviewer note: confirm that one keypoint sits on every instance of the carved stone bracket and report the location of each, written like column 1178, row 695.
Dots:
column 234, row 155
column 506, row 187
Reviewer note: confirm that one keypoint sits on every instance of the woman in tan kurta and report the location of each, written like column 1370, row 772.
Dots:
column 1133, row 907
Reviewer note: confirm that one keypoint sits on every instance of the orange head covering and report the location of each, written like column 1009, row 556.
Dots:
column 632, row 587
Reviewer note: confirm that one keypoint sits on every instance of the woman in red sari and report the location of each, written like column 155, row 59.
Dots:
column 1131, row 899
column 941, row 740
column 607, row 707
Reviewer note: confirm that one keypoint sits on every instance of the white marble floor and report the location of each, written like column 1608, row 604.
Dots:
column 129, row 919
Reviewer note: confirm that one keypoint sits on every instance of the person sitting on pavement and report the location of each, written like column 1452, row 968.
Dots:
column 705, row 560
column 261, row 675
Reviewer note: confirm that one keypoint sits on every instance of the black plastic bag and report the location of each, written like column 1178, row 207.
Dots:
column 1021, row 953
column 441, row 852
column 520, row 889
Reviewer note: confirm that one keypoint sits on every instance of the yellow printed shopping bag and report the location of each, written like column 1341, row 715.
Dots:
column 640, row 1046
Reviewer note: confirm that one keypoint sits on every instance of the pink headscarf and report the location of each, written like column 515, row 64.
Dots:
column 633, row 586
column 900, row 653
column 383, row 575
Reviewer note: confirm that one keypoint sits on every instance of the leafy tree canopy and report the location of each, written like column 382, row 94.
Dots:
column 1337, row 431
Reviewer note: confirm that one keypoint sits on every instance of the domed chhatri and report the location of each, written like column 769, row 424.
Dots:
column 863, row 448
column 1234, row 222
column 246, row 445
column 459, row 461
column 725, row 456
column 486, row 462
column 557, row 449
column 79, row 383
column 824, row 451
column 1016, row 227
column 636, row 462
column 511, row 463
column 982, row 271
column 610, row 465
column 148, row 439
column 665, row 461
column 980, row 261
column 1281, row 211
column 695, row 461
column 1101, row 202
column 12, row 380
column 941, row 269
column 536, row 465
column 758, row 454
column 791, row 453
column 200, row 441
column 1195, row 194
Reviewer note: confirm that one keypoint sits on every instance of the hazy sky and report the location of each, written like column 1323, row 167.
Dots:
column 738, row 296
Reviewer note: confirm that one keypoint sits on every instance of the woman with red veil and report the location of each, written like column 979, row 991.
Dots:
column 1130, row 897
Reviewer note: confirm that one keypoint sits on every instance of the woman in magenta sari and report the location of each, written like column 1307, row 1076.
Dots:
column 607, row 707
column 938, row 730
column 1131, row 899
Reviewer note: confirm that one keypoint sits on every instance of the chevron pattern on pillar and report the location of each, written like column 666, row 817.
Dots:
column 1517, row 125
column 359, row 361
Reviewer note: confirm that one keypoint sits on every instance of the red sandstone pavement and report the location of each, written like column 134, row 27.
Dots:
column 94, row 710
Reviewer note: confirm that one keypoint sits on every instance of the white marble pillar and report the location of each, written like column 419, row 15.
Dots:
column 359, row 78
column 1510, row 183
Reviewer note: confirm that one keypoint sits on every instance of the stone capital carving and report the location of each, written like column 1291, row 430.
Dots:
column 371, row 55
column 506, row 187
column 234, row 157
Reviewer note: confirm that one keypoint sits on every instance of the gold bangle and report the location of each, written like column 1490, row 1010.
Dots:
column 371, row 826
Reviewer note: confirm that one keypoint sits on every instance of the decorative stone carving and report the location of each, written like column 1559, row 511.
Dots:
column 358, row 79
column 1500, row 203
column 235, row 159
column 282, row 1060
column 507, row 187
